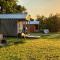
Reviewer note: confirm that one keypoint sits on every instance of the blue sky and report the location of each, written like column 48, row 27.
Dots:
column 41, row 7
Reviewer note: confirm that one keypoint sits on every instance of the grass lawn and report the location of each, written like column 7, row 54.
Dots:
column 45, row 48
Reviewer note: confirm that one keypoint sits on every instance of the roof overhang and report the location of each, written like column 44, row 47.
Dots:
column 13, row 16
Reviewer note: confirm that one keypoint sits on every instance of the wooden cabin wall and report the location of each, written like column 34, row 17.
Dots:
column 9, row 27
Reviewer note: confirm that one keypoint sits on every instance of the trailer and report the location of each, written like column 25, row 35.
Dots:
column 12, row 24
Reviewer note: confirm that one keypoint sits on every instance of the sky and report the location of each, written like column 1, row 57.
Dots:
column 41, row 7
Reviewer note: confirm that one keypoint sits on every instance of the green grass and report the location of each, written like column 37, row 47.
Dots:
column 48, row 36
column 32, row 49
column 51, row 36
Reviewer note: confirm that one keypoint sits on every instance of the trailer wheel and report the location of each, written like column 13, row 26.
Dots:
column 3, row 41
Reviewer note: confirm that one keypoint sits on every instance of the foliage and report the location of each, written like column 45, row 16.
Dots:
column 53, row 23
column 42, row 22
column 10, row 6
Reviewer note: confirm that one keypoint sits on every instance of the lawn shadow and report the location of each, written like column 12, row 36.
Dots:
column 14, row 42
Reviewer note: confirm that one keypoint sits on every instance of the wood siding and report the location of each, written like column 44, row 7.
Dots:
column 8, row 27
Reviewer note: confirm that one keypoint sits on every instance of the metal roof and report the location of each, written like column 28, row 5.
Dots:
column 13, row 16
column 33, row 22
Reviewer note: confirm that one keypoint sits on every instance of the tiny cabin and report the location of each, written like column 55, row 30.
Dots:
column 33, row 26
column 12, row 24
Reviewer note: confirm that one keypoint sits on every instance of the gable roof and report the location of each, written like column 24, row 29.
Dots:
column 13, row 16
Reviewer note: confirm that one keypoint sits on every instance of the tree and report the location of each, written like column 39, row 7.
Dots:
column 41, row 22
column 53, row 23
column 10, row 6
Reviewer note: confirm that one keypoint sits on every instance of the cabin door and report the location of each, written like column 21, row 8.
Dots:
column 19, row 27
